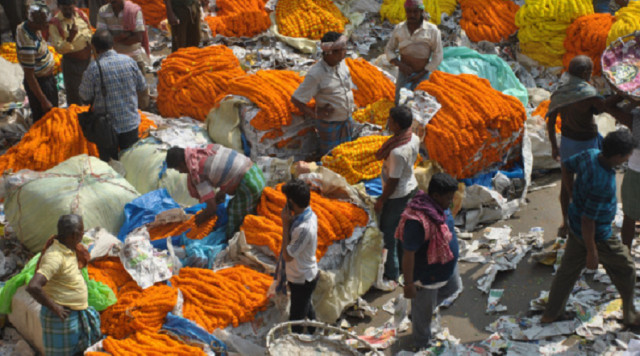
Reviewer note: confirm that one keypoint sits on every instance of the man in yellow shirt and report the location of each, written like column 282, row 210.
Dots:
column 70, row 35
column 69, row 324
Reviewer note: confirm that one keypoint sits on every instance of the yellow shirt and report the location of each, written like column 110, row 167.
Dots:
column 59, row 40
column 65, row 284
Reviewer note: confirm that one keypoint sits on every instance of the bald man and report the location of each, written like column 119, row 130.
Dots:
column 576, row 102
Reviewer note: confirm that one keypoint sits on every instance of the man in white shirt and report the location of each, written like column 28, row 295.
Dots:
column 419, row 48
column 299, row 244
column 399, row 183
column 329, row 82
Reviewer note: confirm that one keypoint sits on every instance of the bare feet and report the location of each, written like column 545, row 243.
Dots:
column 633, row 321
column 563, row 231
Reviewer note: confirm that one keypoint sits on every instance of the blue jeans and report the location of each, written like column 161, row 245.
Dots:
column 570, row 147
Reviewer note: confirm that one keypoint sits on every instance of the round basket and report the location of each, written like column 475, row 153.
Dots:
column 621, row 64
column 334, row 334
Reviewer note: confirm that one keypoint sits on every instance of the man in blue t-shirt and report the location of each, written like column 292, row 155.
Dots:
column 592, row 210
column 430, row 253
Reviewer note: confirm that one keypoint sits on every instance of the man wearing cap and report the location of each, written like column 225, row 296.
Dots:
column 329, row 82
column 70, row 35
column 419, row 48
column 37, row 61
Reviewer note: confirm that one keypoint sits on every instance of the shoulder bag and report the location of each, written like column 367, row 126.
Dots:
column 97, row 127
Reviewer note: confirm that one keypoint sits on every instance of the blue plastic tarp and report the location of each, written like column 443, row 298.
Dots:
column 458, row 60
column 485, row 179
column 144, row 209
column 187, row 328
column 373, row 187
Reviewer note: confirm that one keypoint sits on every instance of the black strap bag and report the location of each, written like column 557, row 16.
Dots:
column 97, row 127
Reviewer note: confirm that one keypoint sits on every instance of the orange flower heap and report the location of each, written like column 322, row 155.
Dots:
column 308, row 18
column 216, row 299
column 488, row 20
column 336, row 221
column 54, row 138
column 239, row 18
column 153, row 11
column 271, row 91
column 8, row 52
column 193, row 80
column 588, row 36
column 356, row 160
column 476, row 126
column 144, row 343
column 372, row 85
column 195, row 232
column 376, row 113
column 110, row 272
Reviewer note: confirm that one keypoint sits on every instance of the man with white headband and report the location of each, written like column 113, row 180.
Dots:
column 419, row 46
column 329, row 82
column 37, row 61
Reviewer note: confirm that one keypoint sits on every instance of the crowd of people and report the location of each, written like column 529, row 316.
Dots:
column 107, row 70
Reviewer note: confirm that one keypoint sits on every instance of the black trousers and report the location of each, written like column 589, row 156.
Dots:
column 301, row 306
column 73, row 69
column 49, row 87
column 125, row 140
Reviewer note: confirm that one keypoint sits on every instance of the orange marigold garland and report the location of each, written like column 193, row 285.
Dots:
column 336, row 221
column 109, row 271
column 153, row 11
column 239, row 18
column 372, row 85
column 476, row 126
column 146, row 343
column 54, row 138
column 216, row 299
column 488, row 20
column 587, row 35
column 193, row 80
column 309, row 18
column 542, row 110
column 195, row 232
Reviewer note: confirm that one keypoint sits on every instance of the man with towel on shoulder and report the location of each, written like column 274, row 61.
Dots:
column 329, row 82
column 576, row 102
column 419, row 45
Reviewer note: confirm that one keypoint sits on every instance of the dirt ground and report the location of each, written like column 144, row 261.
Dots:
column 466, row 318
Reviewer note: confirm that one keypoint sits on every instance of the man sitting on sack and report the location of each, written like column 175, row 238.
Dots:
column 329, row 82
column 215, row 166
column 123, row 82
column 69, row 324
column 419, row 45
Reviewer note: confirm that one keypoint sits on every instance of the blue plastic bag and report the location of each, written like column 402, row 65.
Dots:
column 143, row 210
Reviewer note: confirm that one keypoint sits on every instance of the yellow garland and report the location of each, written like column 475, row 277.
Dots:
column 308, row 18
column 543, row 25
column 356, row 160
column 627, row 21
column 376, row 113
column 8, row 52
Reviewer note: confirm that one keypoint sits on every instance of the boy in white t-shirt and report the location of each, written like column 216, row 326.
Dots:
column 399, row 183
column 299, row 244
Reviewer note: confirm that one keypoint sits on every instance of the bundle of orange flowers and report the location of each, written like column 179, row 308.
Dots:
column 356, row 160
column 192, row 80
column 336, row 221
column 372, row 85
column 271, row 91
column 216, row 299
column 239, row 18
column 476, row 126
column 8, row 52
column 144, row 343
column 376, row 113
column 542, row 110
column 153, row 11
column 138, row 310
column 488, row 20
column 109, row 271
column 54, row 138
column 309, row 18
column 195, row 232
column 588, row 35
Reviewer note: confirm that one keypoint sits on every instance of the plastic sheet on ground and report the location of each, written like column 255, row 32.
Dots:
column 143, row 210
column 187, row 328
column 83, row 185
column 145, row 265
column 459, row 60
column 182, row 132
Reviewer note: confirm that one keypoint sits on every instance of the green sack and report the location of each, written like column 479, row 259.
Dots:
column 100, row 295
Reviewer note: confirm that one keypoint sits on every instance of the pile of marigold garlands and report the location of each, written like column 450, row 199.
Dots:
column 476, row 126
column 54, row 138
column 239, row 18
column 192, row 80
column 153, row 11
column 588, row 36
column 371, row 84
column 8, row 52
column 376, row 113
column 488, row 20
column 336, row 221
column 356, row 160
column 193, row 231
column 308, row 18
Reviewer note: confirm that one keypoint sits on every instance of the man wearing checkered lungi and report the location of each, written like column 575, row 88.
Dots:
column 215, row 167
column 69, row 324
